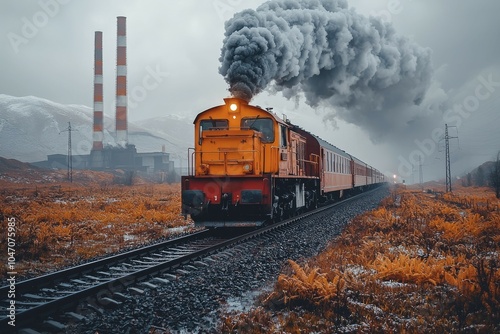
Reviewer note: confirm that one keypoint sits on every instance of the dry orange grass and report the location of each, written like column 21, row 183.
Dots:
column 419, row 263
column 65, row 223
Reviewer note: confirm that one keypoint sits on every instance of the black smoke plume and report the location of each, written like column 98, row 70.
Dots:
column 332, row 55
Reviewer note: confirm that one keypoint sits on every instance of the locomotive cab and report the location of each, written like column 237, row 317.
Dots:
column 232, row 139
column 230, row 166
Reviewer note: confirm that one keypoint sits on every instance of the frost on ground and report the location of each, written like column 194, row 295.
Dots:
column 421, row 262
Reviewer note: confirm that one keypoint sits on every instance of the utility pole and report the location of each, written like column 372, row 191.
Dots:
column 448, row 169
column 420, row 173
column 413, row 170
column 70, row 156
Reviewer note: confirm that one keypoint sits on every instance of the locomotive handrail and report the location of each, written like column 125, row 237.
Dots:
column 310, row 163
column 191, row 161
column 221, row 150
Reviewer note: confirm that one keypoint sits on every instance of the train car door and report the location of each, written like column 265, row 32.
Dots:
column 322, row 170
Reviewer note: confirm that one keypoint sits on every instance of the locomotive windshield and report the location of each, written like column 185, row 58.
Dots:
column 263, row 125
column 212, row 124
column 209, row 124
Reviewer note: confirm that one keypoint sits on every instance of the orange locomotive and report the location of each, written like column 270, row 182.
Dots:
column 250, row 167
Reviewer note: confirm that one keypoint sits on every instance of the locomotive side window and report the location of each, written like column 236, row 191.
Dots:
column 213, row 124
column 263, row 125
column 283, row 138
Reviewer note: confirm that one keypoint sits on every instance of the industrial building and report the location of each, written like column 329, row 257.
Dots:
column 150, row 162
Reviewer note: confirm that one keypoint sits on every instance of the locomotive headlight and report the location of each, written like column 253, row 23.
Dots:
column 233, row 107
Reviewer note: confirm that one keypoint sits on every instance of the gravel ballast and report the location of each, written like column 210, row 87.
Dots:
column 193, row 302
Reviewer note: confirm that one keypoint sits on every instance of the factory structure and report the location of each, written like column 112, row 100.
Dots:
column 122, row 155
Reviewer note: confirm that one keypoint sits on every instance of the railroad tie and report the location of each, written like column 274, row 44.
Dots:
column 55, row 325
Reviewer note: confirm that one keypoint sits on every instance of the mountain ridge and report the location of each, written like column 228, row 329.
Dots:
column 32, row 128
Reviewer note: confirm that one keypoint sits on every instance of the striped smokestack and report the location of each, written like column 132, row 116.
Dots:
column 121, row 82
column 98, row 94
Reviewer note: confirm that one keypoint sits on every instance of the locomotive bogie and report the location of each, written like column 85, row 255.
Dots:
column 294, row 195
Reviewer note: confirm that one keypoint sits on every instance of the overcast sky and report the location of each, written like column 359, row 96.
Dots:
column 173, row 60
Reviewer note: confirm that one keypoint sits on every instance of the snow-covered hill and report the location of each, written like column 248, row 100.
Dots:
column 177, row 130
column 32, row 128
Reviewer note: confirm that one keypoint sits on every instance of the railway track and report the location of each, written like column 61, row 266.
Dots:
column 39, row 297
column 110, row 281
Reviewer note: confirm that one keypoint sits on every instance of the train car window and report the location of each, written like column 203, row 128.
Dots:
column 283, row 138
column 325, row 161
column 263, row 125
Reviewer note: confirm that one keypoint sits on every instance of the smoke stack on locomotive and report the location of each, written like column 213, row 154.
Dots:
column 249, row 168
